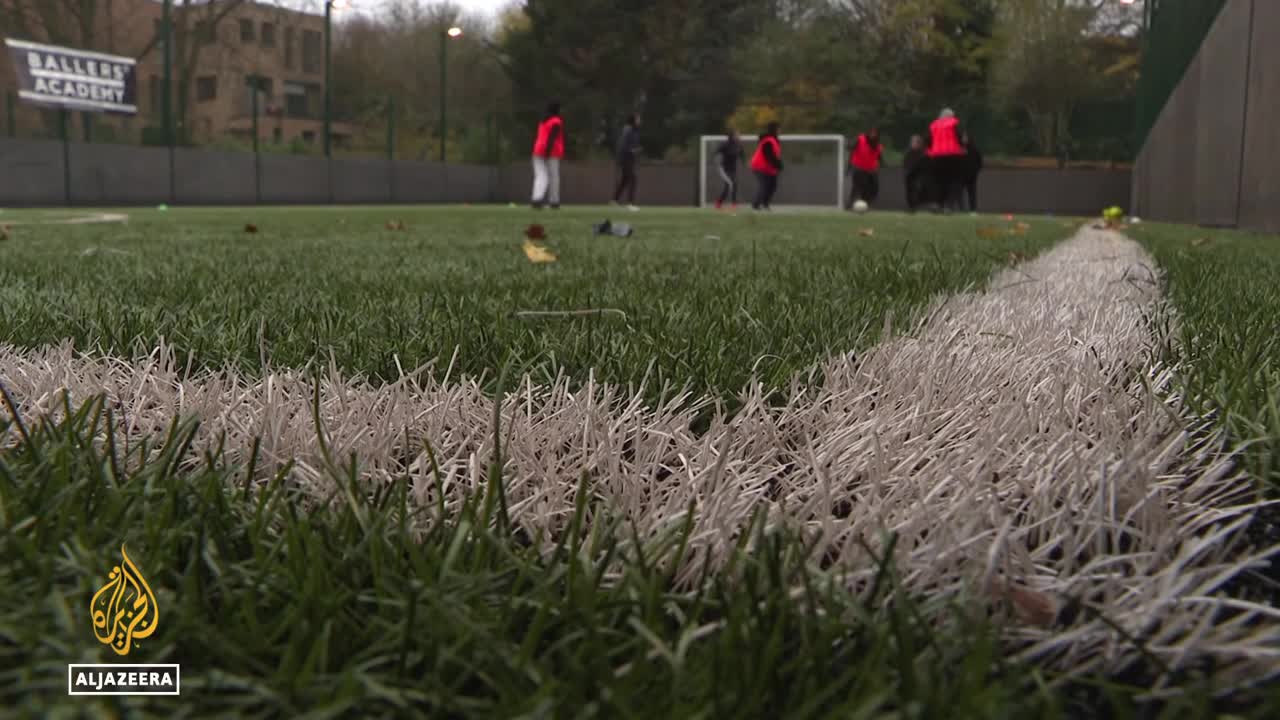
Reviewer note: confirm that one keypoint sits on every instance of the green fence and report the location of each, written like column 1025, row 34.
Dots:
column 1175, row 31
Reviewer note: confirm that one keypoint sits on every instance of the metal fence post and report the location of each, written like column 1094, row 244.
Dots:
column 391, row 148
column 257, row 157
column 65, row 134
column 166, row 29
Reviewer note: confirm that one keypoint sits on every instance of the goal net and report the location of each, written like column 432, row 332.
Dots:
column 813, row 173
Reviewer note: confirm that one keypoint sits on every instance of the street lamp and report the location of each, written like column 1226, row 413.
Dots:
column 452, row 32
column 329, row 7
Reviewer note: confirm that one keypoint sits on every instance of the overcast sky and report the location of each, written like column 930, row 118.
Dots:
column 484, row 7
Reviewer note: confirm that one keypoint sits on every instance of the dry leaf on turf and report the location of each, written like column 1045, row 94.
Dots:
column 4, row 232
column 1201, row 241
column 1030, row 606
column 250, row 228
column 867, row 232
column 538, row 254
column 535, row 232
column 396, row 225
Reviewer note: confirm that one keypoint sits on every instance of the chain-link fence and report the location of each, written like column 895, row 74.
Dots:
column 1175, row 30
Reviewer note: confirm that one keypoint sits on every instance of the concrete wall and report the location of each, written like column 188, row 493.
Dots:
column 31, row 174
column 1260, row 180
column 1211, row 158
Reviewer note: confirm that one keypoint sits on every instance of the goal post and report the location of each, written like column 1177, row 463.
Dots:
column 806, row 180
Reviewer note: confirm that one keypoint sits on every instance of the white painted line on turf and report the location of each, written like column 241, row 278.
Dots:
column 1020, row 443
column 92, row 219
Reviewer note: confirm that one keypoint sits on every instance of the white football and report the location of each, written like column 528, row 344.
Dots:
column 861, row 206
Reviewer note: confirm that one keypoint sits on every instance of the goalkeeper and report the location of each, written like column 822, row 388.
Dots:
column 727, row 157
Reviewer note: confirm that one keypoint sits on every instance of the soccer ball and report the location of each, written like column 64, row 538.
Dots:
column 861, row 206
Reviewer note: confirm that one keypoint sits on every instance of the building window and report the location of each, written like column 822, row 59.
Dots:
column 295, row 100
column 246, row 31
column 206, row 32
column 206, row 88
column 268, row 35
column 264, row 87
column 311, row 52
column 289, row 60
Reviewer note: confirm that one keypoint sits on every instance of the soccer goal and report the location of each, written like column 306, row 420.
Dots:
column 813, row 174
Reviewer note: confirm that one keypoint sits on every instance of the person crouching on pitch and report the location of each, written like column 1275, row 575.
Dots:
column 864, row 163
column 548, row 149
column 766, row 163
column 727, row 157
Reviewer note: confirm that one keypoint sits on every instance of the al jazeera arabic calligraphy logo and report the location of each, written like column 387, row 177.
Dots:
column 125, row 609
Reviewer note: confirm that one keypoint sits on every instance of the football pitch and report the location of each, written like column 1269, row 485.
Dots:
column 377, row 462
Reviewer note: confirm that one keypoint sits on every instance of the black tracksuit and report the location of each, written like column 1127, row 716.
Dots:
column 915, row 167
column 973, row 166
column 628, row 147
column 727, row 157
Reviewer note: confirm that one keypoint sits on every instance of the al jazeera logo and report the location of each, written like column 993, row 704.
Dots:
column 123, row 611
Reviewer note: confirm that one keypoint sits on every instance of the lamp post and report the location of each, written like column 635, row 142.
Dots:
column 329, row 7
column 452, row 32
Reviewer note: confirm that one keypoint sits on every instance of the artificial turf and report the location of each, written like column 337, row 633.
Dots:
column 1226, row 340
column 343, row 613
column 706, row 299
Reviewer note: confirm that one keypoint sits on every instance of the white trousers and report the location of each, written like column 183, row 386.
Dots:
column 546, row 180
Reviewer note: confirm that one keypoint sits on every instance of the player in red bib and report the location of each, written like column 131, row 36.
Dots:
column 947, row 159
column 766, row 163
column 548, row 149
column 864, row 164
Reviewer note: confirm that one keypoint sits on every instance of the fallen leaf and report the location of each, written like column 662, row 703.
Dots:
column 1201, row 241
column 1031, row 606
column 250, row 228
column 537, row 253
column 397, row 225
column 867, row 232
column 535, row 232
column 1016, row 257
column 4, row 232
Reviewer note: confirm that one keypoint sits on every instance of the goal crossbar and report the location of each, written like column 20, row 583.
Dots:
column 705, row 151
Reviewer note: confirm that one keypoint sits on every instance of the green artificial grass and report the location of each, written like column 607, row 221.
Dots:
column 708, row 298
column 341, row 612
column 1223, row 285
column 274, row 611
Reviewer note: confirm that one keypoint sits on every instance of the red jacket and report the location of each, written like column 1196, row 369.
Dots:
column 760, row 160
column 945, row 140
column 865, row 157
column 544, row 135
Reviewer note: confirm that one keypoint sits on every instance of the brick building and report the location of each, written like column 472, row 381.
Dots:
column 223, row 50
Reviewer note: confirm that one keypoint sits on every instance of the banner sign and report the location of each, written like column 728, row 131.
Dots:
column 70, row 79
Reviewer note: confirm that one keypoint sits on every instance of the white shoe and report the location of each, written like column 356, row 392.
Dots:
column 633, row 208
